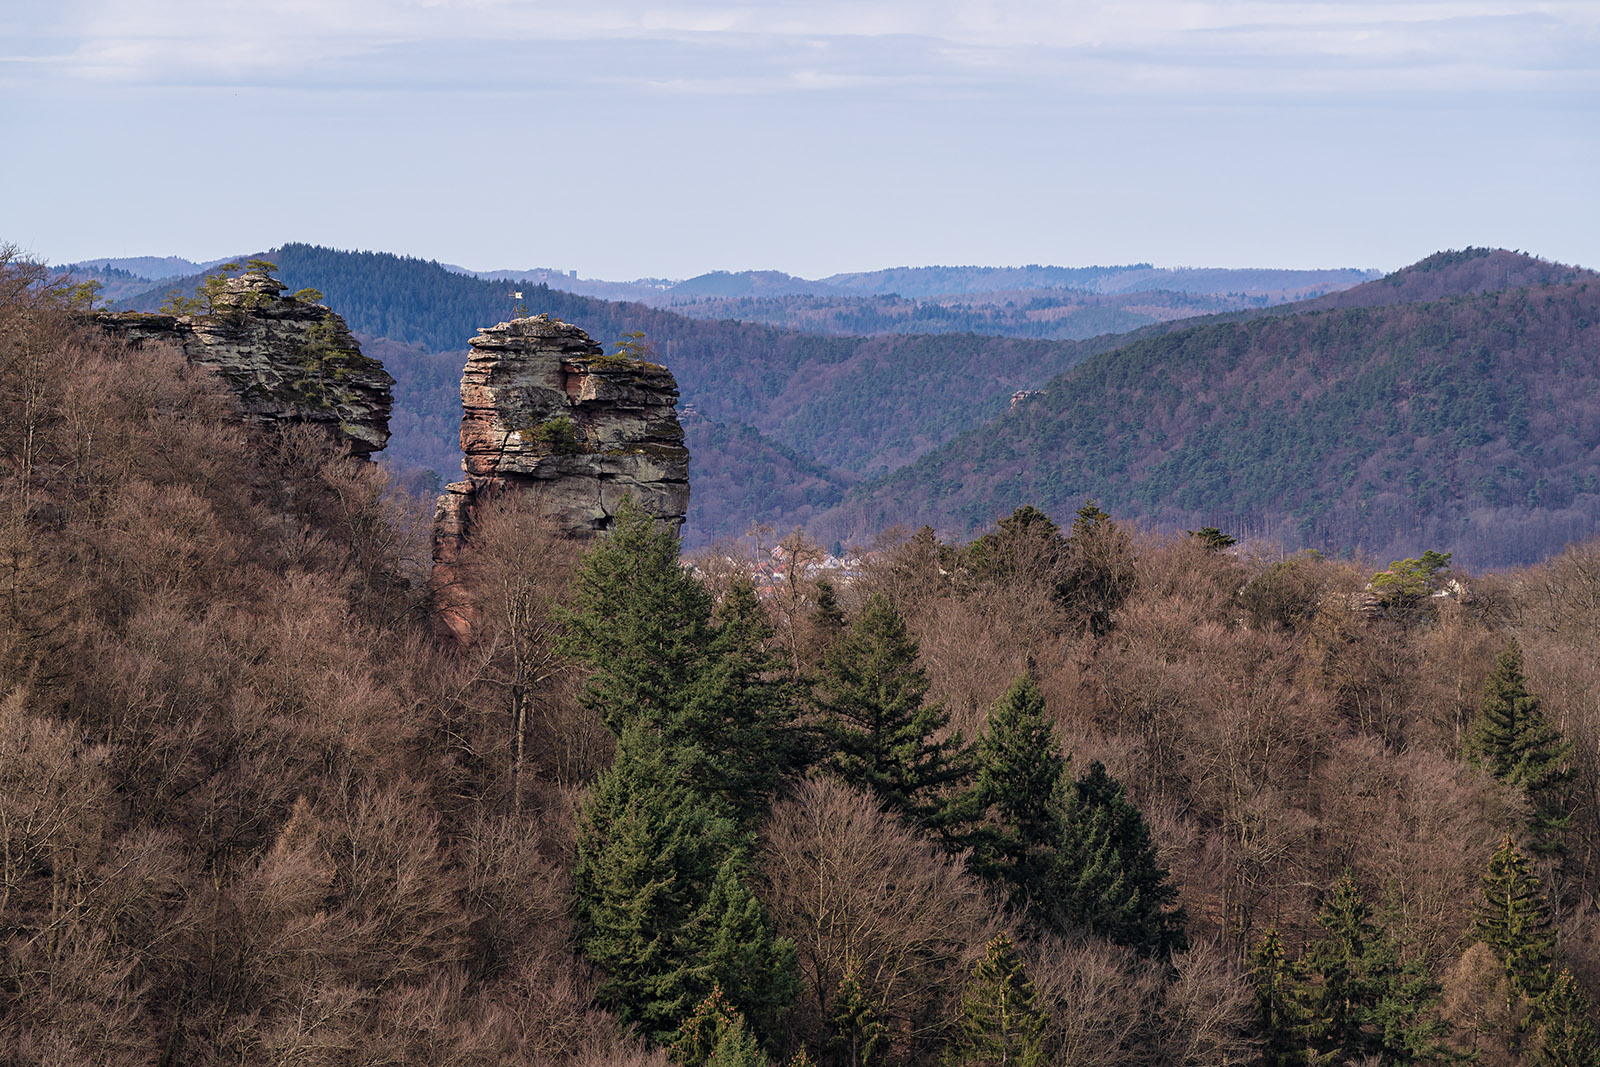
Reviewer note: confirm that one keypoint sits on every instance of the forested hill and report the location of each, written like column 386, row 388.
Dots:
column 1470, row 424
column 1453, row 273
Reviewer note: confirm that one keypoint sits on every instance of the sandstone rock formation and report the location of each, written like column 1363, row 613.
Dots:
column 288, row 360
column 544, row 410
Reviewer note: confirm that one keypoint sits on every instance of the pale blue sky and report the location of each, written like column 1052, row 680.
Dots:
column 624, row 139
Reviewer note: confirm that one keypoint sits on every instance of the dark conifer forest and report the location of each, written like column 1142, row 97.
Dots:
column 1050, row 792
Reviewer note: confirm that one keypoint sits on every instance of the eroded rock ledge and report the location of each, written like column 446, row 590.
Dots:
column 545, row 411
column 288, row 360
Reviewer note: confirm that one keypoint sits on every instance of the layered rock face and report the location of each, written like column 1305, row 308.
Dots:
column 545, row 411
column 288, row 360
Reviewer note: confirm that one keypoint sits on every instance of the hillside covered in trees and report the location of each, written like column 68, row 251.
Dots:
column 1071, row 795
column 1467, row 422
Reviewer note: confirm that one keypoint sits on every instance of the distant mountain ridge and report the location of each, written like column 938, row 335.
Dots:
column 153, row 267
column 1470, row 422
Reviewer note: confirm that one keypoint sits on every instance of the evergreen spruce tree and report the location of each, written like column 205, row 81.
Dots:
column 1026, row 544
column 737, row 1047
column 1285, row 1006
column 640, row 622
column 698, row 1035
column 712, row 689
column 878, row 732
column 1022, row 786
column 1357, row 999
column 859, row 1037
column 1566, row 1038
column 661, row 903
column 1406, row 1017
column 1002, row 1023
column 739, row 712
column 827, row 616
column 1107, row 877
column 739, row 950
column 1512, row 740
column 1513, row 918
column 1349, row 981
column 716, row 1035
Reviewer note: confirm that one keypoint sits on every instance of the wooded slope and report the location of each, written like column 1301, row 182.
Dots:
column 1470, row 423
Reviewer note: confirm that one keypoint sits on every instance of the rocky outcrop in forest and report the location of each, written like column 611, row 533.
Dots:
column 544, row 410
column 287, row 359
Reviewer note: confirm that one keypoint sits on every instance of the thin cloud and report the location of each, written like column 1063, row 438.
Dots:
column 1172, row 45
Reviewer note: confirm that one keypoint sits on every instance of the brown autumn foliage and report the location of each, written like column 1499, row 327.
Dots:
column 248, row 808
column 254, row 810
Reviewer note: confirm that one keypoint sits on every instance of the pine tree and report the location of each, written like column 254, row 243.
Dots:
column 662, row 906
column 1284, row 1004
column 1026, row 544
column 737, row 1047
column 716, row 1035
column 639, row 620
column 1355, row 998
column 1349, row 983
column 1022, row 785
column 739, row 712
column 1001, row 1021
column 827, row 615
column 738, row 949
column 859, row 1037
column 712, row 689
column 1566, row 1037
column 1513, row 918
column 1107, row 877
column 697, row 1037
column 877, row 730
column 1512, row 740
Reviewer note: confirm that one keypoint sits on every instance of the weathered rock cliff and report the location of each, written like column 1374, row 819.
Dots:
column 544, row 410
column 288, row 360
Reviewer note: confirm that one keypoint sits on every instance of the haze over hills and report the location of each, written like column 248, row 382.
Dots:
column 1070, row 303
column 1469, row 423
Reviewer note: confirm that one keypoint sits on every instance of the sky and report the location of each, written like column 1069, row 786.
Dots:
column 626, row 139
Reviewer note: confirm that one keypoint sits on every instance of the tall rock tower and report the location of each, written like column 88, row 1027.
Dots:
column 545, row 411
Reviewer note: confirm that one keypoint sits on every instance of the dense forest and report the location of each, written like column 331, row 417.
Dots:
column 1049, row 314
column 1467, row 422
column 1075, row 795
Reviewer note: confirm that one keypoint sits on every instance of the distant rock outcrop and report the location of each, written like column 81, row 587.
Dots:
column 545, row 410
column 287, row 360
